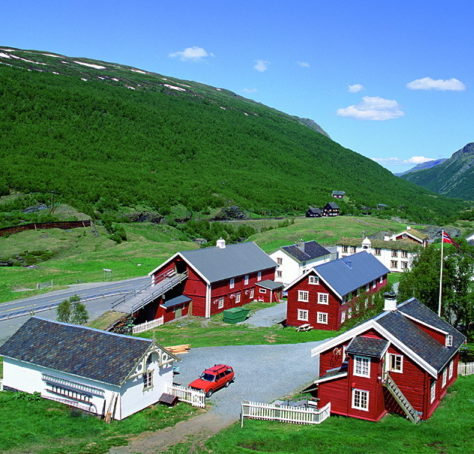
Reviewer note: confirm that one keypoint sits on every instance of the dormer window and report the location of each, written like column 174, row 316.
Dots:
column 361, row 366
column 314, row 280
column 449, row 340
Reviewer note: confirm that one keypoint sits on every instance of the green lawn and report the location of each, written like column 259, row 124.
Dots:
column 46, row 427
column 200, row 332
column 448, row 431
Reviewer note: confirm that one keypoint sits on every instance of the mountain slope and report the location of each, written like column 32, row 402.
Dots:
column 102, row 135
column 454, row 177
column 422, row 166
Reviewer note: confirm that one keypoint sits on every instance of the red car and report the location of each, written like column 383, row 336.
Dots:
column 214, row 378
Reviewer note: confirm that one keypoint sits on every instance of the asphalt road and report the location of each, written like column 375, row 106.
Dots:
column 98, row 298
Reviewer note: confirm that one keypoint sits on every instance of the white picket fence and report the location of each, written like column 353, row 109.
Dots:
column 147, row 325
column 295, row 415
column 192, row 396
column 465, row 368
column 1, row 384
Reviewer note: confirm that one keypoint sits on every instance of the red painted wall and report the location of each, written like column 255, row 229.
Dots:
column 440, row 337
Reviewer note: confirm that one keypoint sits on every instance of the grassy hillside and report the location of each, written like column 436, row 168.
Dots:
column 454, row 177
column 102, row 135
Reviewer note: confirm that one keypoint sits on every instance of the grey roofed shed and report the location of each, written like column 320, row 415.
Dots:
column 173, row 302
column 217, row 264
column 270, row 285
column 352, row 272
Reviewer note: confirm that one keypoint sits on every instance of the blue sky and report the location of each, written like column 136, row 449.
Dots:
column 392, row 80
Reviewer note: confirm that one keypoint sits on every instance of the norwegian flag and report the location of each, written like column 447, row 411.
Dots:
column 445, row 238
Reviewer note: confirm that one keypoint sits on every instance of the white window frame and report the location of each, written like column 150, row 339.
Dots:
column 444, row 377
column 343, row 316
column 313, row 280
column 323, row 298
column 303, row 315
column 361, row 366
column 251, row 294
column 231, row 282
column 374, row 284
column 259, row 276
column 392, row 363
column 449, row 341
column 262, row 290
column 349, row 312
column 433, row 392
column 220, row 303
column 303, row 296
column 279, row 261
column 246, row 279
column 237, row 298
column 147, row 380
column 322, row 318
column 394, row 264
column 360, row 393
column 450, row 375
column 279, row 273
column 380, row 279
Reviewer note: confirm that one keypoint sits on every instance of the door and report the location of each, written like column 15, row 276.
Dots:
column 179, row 312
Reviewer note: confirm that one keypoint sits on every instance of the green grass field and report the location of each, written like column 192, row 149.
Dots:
column 41, row 426
column 448, row 431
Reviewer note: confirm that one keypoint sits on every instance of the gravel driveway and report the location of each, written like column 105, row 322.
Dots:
column 263, row 373
column 267, row 317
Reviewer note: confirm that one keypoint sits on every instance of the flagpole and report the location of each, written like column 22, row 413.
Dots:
column 441, row 275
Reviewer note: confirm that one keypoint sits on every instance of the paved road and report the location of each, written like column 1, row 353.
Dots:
column 97, row 297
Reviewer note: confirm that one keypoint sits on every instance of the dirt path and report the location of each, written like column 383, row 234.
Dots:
column 199, row 428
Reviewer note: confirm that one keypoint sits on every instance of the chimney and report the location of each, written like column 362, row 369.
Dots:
column 390, row 301
column 220, row 243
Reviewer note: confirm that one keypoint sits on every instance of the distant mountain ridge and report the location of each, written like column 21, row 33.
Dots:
column 422, row 166
column 453, row 177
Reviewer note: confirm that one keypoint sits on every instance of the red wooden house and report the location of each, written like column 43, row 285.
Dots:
column 208, row 280
column 268, row 291
column 411, row 235
column 329, row 294
column 401, row 361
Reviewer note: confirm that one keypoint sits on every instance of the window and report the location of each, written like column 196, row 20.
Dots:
column 345, row 248
column 445, row 375
column 404, row 265
column 433, row 391
column 353, row 249
column 246, row 279
column 251, row 294
column 394, row 253
column 262, row 290
column 303, row 296
column 361, row 366
column 360, row 399
column 404, row 254
column 381, row 279
column 259, row 276
column 237, row 298
column 366, row 303
column 367, row 287
column 55, row 389
column 343, row 316
column 394, row 264
column 302, row 315
column 374, row 284
column 378, row 251
column 395, row 363
column 220, row 303
column 349, row 312
column 449, row 340
column 323, row 318
column 148, row 380
column 279, row 260
column 451, row 369
column 232, row 283
column 323, row 298
column 279, row 273
column 314, row 280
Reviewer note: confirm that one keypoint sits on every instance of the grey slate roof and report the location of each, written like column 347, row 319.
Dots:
column 405, row 330
column 181, row 299
column 217, row 264
column 367, row 346
column 310, row 250
column 86, row 352
column 271, row 285
column 332, row 205
column 352, row 272
column 314, row 210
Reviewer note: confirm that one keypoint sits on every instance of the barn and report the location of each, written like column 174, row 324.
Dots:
column 327, row 295
column 401, row 361
column 106, row 374
column 208, row 281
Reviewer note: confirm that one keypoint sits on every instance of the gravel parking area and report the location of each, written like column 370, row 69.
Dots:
column 267, row 317
column 263, row 373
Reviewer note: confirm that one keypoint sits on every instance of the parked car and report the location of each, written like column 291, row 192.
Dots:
column 214, row 378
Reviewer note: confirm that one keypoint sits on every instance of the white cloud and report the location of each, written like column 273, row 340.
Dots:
column 397, row 161
column 355, row 88
column 372, row 108
column 427, row 83
column 261, row 65
column 249, row 90
column 303, row 64
column 194, row 53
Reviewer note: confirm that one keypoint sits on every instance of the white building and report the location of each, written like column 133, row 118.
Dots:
column 295, row 259
column 395, row 255
column 104, row 373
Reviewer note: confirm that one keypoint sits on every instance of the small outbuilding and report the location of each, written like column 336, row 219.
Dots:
column 313, row 212
column 338, row 194
column 331, row 209
column 269, row 291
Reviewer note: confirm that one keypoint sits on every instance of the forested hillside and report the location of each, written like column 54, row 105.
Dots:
column 101, row 135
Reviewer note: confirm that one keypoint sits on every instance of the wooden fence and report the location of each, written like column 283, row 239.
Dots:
column 465, row 368
column 283, row 413
column 147, row 325
column 192, row 396
column 45, row 225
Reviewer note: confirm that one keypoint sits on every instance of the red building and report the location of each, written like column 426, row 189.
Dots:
column 206, row 281
column 268, row 291
column 331, row 293
column 401, row 361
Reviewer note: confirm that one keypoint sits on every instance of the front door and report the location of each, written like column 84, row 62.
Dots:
column 179, row 312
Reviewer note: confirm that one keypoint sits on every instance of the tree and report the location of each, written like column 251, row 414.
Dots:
column 63, row 311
